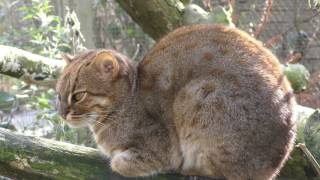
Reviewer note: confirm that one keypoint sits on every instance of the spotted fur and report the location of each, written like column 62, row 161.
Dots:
column 206, row 100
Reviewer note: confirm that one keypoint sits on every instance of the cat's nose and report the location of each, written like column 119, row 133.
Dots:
column 62, row 108
column 63, row 111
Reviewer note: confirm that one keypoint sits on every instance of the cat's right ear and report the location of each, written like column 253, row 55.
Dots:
column 107, row 63
column 67, row 57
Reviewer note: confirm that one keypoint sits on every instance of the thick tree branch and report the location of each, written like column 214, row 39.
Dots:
column 156, row 17
column 38, row 158
column 26, row 157
column 29, row 67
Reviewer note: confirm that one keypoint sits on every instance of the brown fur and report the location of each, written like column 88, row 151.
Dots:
column 206, row 100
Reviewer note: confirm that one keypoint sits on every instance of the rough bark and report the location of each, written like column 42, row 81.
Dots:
column 25, row 157
column 29, row 67
column 159, row 17
column 37, row 158
column 156, row 17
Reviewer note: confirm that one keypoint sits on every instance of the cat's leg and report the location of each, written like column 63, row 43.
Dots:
column 133, row 163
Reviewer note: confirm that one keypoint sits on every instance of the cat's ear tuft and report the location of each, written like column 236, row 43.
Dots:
column 107, row 63
column 67, row 57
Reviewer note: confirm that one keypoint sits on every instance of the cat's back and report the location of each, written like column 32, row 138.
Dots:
column 208, row 50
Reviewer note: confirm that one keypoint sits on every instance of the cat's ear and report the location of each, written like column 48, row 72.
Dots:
column 67, row 57
column 107, row 63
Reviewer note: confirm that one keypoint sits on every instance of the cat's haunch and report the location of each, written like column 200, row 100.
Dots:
column 206, row 100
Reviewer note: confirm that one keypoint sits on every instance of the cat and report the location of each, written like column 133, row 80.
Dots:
column 207, row 100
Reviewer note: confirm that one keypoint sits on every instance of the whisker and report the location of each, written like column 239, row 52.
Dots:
column 96, row 116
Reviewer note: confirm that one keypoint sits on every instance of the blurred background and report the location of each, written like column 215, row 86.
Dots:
column 289, row 28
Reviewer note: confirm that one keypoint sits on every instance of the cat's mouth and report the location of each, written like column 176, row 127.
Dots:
column 76, row 120
column 81, row 120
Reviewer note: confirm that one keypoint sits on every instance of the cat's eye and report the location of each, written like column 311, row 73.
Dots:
column 79, row 96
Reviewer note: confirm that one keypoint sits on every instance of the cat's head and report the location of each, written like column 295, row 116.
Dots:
column 91, row 84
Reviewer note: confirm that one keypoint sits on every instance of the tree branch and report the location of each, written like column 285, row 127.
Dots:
column 26, row 157
column 31, row 68
column 156, row 17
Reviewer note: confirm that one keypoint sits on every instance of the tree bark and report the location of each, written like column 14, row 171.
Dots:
column 156, row 17
column 37, row 158
column 29, row 67
column 26, row 157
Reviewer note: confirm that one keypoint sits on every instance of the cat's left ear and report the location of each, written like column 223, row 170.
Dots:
column 67, row 57
column 107, row 63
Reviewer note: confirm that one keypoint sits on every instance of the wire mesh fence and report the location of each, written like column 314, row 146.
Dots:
column 292, row 32
column 295, row 23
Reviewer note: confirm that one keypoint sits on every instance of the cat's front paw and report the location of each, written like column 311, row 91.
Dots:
column 119, row 163
column 126, row 164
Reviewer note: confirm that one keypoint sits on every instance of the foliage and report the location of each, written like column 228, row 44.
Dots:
column 41, row 32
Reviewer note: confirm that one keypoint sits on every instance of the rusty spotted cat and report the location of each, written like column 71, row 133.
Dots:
column 206, row 100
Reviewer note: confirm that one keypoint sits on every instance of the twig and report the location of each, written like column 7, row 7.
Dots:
column 274, row 40
column 234, row 16
column 136, row 53
column 264, row 17
column 310, row 157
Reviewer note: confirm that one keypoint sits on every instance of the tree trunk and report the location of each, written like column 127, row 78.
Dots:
column 37, row 158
